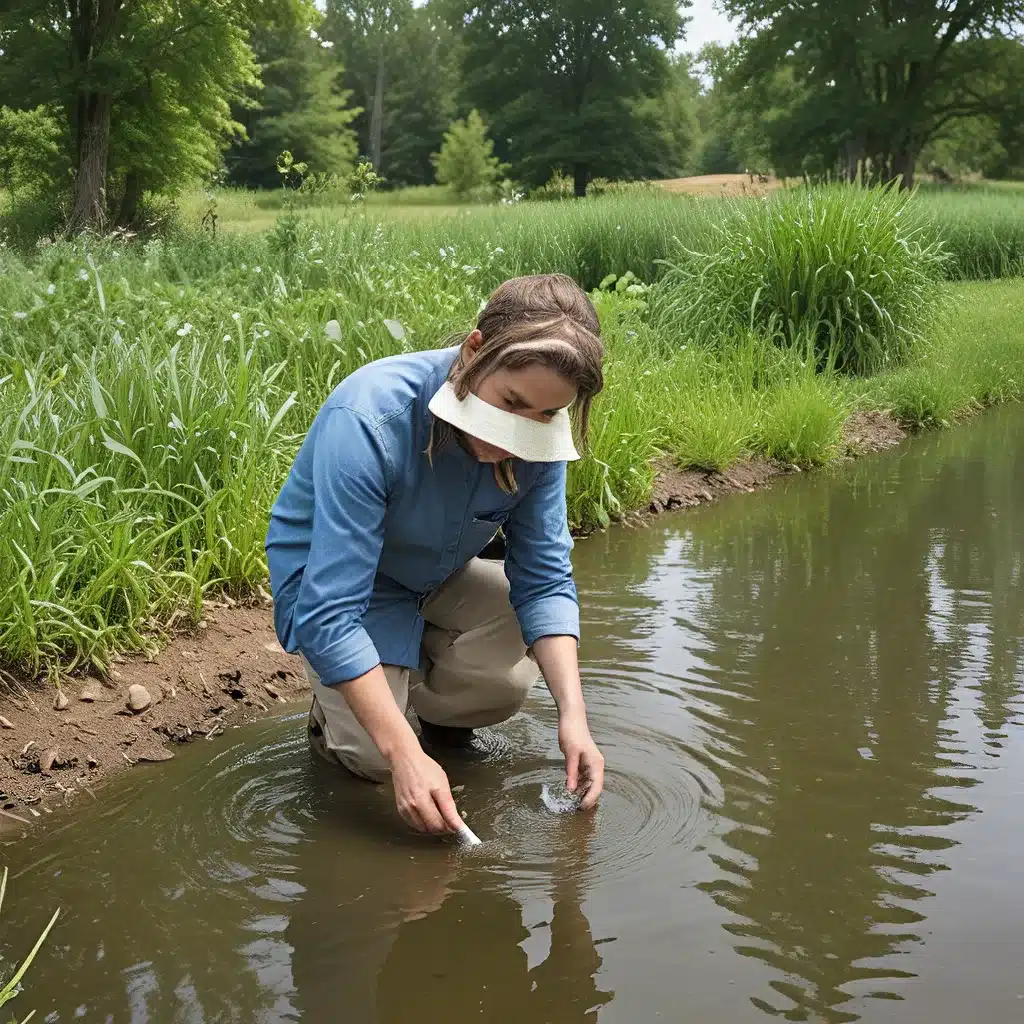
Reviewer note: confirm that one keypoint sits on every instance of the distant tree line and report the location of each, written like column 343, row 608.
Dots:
column 107, row 105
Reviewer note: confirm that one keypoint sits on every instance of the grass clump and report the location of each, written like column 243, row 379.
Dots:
column 837, row 268
column 801, row 423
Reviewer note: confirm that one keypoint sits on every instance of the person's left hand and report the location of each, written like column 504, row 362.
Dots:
column 584, row 763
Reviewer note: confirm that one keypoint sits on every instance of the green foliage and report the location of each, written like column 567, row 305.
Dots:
column 154, row 394
column 366, row 35
column 30, row 151
column 837, row 271
column 301, row 108
column 466, row 162
column 870, row 83
column 147, row 89
column 420, row 97
column 733, row 135
column 560, row 83
column 801, row 423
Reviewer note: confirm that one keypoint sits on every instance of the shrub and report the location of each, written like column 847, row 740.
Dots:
column 838, row 265
column 467, row 163
column 30, row 151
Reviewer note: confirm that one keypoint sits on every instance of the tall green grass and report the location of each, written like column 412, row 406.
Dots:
column 153, row 395
column 982, row 229
column 836, row 270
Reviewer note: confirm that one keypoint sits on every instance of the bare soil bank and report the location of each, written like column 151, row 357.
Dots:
column 56, row 745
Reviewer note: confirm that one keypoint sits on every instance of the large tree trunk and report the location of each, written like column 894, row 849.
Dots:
column 89, row 207
column 130, row 200
column 904, row 164
column 580, row 180
column 377, row 115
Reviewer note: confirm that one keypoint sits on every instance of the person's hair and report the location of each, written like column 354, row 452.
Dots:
column 544, row 319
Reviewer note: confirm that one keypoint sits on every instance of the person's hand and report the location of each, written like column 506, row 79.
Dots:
column 584, row 763
column 423, row 795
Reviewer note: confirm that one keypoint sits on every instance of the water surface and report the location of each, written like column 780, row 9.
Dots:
column 811, row 705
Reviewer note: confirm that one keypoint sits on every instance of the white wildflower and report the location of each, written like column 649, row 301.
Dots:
column 20, row 316
column 257, row 270
column 266, row 334
column 185, row 329
column 83, row 275
column 333, row 330
column 227, row 337
column 236, row 316
column 50, row 289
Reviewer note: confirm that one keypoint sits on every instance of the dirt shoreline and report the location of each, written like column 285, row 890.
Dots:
column 56, row 745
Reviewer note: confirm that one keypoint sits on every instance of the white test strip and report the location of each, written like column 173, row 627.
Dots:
column 467, row 837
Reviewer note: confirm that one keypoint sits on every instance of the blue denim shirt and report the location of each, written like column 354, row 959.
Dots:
column 365, row 528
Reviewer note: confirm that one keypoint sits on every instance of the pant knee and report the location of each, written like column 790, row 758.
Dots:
column 362, row 760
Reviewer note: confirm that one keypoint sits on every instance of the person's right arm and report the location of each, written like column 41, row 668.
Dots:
column 422, row 793
column 351, row 470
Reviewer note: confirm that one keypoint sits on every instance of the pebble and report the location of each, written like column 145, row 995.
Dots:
column 61, row 702
column 5, row 723
column 92, row 693
column 46, row 759
column 138, row 698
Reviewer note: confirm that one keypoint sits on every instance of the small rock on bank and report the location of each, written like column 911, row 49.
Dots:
column 138, row 698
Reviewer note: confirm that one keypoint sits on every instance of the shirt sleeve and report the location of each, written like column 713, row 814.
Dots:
column 351, row 469
column 537, row 560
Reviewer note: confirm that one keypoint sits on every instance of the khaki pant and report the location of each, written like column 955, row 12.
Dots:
column 479, row 671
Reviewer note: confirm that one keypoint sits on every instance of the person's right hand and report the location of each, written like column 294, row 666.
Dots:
column 423, row 795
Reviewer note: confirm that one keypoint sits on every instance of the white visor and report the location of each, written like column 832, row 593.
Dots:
column 526, row 439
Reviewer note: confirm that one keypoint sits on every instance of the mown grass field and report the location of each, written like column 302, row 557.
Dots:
column 153, row 393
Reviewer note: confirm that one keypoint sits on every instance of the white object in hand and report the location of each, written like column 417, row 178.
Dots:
column 467, row 837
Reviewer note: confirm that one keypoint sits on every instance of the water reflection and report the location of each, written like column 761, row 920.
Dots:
column 855, row 616
column 811, row 705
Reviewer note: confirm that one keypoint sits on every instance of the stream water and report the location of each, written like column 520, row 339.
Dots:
column 811, row 705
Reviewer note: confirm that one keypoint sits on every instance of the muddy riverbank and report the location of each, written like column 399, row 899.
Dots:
column 56, row 745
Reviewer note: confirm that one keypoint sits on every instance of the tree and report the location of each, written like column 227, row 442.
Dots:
column 672, row 117
column 877, row 78
column 301, row 107
column 364, row 32
column 732, row 125
column 139, row 80
column 559, row 80
column 467, row 163
column 421, row 98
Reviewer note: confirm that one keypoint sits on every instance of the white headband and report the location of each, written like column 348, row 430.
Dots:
column 526, row 439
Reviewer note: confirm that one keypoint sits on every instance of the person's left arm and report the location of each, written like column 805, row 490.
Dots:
column 543, row 594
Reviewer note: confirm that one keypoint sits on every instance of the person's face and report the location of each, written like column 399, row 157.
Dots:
column 535, row 392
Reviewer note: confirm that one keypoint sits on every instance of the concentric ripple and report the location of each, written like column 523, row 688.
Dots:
column 650, row 808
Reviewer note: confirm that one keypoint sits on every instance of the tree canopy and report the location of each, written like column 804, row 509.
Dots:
column 872, row 81
column 559, row 80
column 145, row 86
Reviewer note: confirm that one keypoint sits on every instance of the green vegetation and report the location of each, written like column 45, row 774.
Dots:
column 12, row 987
column 466, row 162
column 862, row 90
column 153, row 393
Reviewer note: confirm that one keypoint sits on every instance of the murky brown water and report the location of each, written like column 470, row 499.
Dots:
column 811, row 705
